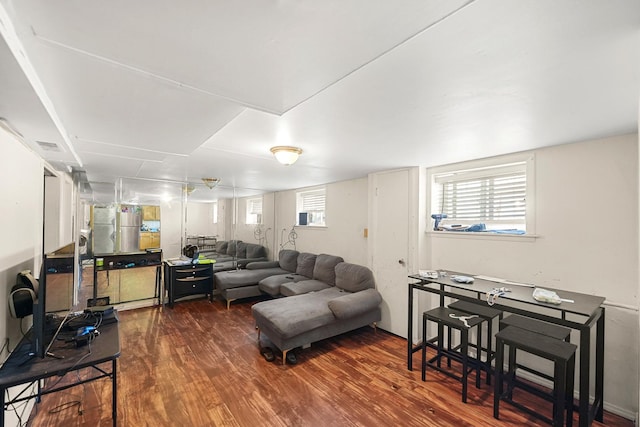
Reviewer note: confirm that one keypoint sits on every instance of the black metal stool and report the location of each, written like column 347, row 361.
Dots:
column 461, row 321
column 540, row 327
column 487, row 314
column 561, row 353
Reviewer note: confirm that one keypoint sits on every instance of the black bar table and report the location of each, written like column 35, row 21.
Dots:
column 585, row 312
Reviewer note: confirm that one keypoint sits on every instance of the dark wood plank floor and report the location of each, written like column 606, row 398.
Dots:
column 198, row 365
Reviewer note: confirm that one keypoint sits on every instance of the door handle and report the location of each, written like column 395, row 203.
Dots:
column 402, row 262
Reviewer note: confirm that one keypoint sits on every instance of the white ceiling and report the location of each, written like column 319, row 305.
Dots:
column 178, row 91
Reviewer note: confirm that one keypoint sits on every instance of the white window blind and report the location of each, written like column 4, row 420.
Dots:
column 254, row 206
column 495, row 195
column 313, row 201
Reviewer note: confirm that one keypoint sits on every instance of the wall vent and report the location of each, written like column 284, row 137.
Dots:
column 49, row 146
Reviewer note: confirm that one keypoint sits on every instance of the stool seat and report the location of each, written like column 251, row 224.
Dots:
column 562, row 354
column 444, row 315
column 535, row 325
column 481, row 309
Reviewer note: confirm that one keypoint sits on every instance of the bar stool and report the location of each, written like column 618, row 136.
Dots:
column 487, row 314
column 540, row 327
column 561, row 353
column 461, row 321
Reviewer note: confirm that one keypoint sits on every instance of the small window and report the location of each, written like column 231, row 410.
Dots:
column 490, row 199
column 254, row 211
column 310, row 207
column 214, row 209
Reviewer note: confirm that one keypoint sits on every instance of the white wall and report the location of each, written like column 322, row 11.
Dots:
column 346, row 218
column 587, row 226
column 200, row 219
column 21, row 230
column 171, row 229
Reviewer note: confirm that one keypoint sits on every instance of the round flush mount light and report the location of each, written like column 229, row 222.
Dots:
column 285, row 154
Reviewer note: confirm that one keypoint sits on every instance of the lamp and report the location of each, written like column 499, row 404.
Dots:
column 211, row 182
column 285, row 154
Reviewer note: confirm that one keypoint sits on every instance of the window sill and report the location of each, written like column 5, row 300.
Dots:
column 483, row 236
column 312, row 227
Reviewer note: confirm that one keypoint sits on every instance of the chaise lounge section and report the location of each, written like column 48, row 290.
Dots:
column 302, row 319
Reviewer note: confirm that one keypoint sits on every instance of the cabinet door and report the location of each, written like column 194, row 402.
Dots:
column 146, row 240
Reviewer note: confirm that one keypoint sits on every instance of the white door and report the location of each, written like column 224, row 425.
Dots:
column 389, row 245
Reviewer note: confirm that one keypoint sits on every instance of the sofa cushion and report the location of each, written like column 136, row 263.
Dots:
column 259, row 265
column 303, row 287
column 297, row 314
column 241, row 250
column 353, row 277
column 288, row 260
column 354, row 304
column 240, row 278
column 271, row 285
column 221, row 247
column 306, row 262
column 324, row 269
column 255, row 251
column 231, row 247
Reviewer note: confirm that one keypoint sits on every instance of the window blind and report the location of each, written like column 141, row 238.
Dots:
column 485, row 195
column 313, row 201
column 254, row 206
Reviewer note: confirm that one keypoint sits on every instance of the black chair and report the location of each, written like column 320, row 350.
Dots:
column 488, row 315
column 561, row 353
column 452, row 319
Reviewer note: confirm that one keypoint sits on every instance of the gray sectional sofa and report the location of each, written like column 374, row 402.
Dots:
column 315, row 297
column 234, row 254
column 348, row 303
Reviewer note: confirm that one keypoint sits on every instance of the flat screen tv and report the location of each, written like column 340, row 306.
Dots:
column 46, row 326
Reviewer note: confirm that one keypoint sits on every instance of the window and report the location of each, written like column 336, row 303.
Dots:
column 254, row 211
column 494, row 198
column 310, row 207
column 214, row 209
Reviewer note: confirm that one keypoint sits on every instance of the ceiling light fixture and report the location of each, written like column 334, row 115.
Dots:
column 285, row 154
column 211, row 182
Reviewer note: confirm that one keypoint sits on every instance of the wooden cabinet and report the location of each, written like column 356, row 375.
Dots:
column 151, row 213
column 149, row 240
column 191, row 279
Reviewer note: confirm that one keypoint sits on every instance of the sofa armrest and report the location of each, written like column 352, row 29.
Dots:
column 355, row 304
column 257, row 265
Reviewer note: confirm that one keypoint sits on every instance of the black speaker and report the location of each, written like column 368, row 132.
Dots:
column 23, row 294
column 302, row 218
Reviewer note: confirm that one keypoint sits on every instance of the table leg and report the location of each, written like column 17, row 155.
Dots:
column 585, row 353
column 410, row 330
column 114, row 391
column 600, row 367
column 3, row 391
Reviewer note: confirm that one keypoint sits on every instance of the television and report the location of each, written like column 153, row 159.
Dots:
column 58, row 270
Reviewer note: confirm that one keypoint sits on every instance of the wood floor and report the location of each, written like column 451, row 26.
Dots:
column 198, row 364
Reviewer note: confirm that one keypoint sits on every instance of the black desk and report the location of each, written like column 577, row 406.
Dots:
column 104, row 348
column 582, row 315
